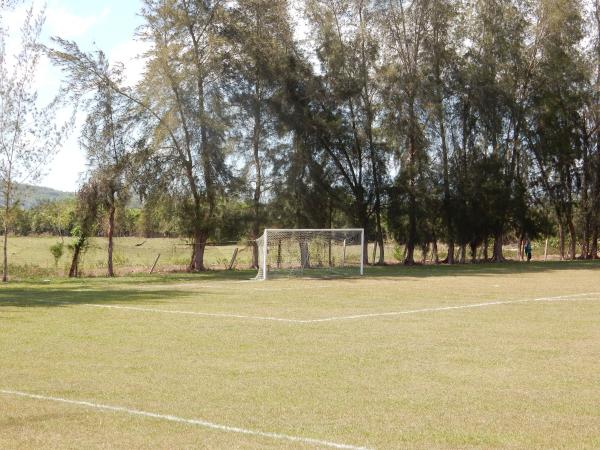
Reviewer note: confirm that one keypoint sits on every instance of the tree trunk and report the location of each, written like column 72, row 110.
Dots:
column 561, row 241
column 498, row 255
column 521, row 252
column 447, row 203
column 74, row 269
column 463, row 254
column 594, row 248
column 8, row 188
column 450, row 257
column 412, row 231
column 585, row 198
column 412, row 201
column 410, row 255
column 424, row 253
column 585, row 241
column 200, row 237
column 486, row 245
column 304, row 255
column 372, row 152
column 111, row 230
column 257, row 168
column 473, row 246
column 435, row 254
column 5, row 250
column 572, row 239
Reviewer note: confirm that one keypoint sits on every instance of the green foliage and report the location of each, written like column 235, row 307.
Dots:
column 468, row 123
column 57, row 251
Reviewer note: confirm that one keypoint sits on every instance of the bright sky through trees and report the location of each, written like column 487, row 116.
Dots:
column 108, row 25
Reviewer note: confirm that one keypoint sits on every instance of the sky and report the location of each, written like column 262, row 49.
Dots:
column 107, row 25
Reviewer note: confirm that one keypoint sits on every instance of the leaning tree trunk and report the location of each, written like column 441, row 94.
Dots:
column 572, row 239
column 74, row 269
column 111, row 230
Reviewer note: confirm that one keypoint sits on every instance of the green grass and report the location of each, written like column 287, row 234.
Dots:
column 520, row 375
column 30, row 257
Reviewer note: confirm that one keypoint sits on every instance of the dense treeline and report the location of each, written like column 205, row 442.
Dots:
column 454, row 121
column 61, row 218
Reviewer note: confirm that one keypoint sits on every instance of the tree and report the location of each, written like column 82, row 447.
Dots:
column 261, row 37
column 109, row 134
column 440, row 47
column 86, row 217
column 405, row 26
column 183, row 95
column 180, row 101
column 555, row 119
column 108, row 138
column 28, row 134
column 328, row 106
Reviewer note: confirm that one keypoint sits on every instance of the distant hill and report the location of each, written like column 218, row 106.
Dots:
column 29, row 195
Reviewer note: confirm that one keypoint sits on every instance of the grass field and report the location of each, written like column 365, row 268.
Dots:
column 498, row 356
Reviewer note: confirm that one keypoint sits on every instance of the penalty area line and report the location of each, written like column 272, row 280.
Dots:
column 197, row 422
column 559, row 298
column 193, row 313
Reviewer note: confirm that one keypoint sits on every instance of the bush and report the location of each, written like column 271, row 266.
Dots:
column 57, row 251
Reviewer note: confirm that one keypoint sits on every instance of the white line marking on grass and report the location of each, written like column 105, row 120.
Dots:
column 193, row 313
column 450, row 308
column 199, row 422
column 570, row 297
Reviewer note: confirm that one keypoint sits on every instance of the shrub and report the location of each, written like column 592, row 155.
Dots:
column 57, row 251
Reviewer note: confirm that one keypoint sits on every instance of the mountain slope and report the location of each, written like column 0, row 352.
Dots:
column 29, row 196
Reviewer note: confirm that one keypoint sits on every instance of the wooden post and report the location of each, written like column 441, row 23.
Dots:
column 233, row 258
column 546, row 251
column 155, row 263
column 344, row 255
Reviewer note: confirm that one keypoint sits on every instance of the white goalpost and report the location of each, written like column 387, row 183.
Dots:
column 310, row 252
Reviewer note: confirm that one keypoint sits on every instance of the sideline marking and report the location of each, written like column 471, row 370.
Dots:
column 199, row 422
column 570, row 297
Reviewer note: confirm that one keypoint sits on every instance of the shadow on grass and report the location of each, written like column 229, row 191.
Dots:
column 61, row 292
column 488, row 269
column 45, row 297
column 442, row 270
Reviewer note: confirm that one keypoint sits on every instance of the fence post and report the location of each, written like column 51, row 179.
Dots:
column 155, row 263
column 233, row 257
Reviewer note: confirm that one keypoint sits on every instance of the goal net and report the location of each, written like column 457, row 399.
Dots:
column 310, row 252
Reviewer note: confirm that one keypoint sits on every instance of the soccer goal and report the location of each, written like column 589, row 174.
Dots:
column 295, row 252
